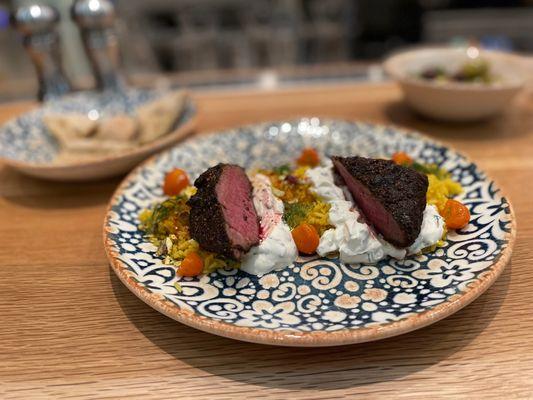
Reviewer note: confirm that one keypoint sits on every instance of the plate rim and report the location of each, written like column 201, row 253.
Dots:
column 320, row 338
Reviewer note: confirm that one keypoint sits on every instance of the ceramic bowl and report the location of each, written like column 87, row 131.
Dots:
column 26, row 144
column 453, row 101
column 316, row 301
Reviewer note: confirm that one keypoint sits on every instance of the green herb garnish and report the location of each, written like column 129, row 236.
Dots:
column 282, row 169
column 295, row 213
column 434, row 169
column 157, row 222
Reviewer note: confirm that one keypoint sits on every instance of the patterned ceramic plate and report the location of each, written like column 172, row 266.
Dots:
column 317, row 301
column 26, row 144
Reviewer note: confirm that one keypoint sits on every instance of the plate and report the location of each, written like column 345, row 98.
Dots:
column 317, row 301
column 26, row 144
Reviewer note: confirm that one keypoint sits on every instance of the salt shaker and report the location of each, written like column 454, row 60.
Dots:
column 95, row 19
column 37, row 23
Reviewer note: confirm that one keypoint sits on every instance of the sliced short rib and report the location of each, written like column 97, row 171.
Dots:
column 223, row 218
column 390, row 197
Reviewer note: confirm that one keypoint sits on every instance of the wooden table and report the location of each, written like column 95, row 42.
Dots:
column 69, row 328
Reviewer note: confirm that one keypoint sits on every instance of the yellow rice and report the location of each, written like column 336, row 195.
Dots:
column 318, row 216
column 440, row 190
column 291, row 193
column 179, row 243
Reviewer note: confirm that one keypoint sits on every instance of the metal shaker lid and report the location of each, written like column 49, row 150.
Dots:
column 35, row 18
column 93, row 13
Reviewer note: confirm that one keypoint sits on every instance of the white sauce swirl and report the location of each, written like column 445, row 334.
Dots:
column 431, row 230
column 353, row 238
column 277, row 249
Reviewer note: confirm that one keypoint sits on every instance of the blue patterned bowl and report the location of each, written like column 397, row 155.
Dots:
column 26, row 144
column 317, row 301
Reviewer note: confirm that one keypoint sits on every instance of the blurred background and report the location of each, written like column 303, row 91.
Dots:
column 217, row 44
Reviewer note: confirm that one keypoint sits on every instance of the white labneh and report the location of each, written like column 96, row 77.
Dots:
column 430, row 232
column 276, row 249
column 352, row 238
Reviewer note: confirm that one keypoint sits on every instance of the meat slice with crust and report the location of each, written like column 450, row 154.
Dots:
column 223, row 218
column 390, row 197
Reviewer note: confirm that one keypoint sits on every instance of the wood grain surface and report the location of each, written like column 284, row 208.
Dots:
column 69, row 328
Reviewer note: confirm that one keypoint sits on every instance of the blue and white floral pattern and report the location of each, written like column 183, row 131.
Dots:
column 314, row 294
column 26, row 139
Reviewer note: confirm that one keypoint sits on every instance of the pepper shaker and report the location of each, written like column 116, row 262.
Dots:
column 95, row 19
column 37, row 23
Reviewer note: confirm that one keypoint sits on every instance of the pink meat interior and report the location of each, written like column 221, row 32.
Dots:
column 373, row 211
column 234, row 194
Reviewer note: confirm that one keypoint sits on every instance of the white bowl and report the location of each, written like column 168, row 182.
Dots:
column 456, row 101
column 26, row 144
